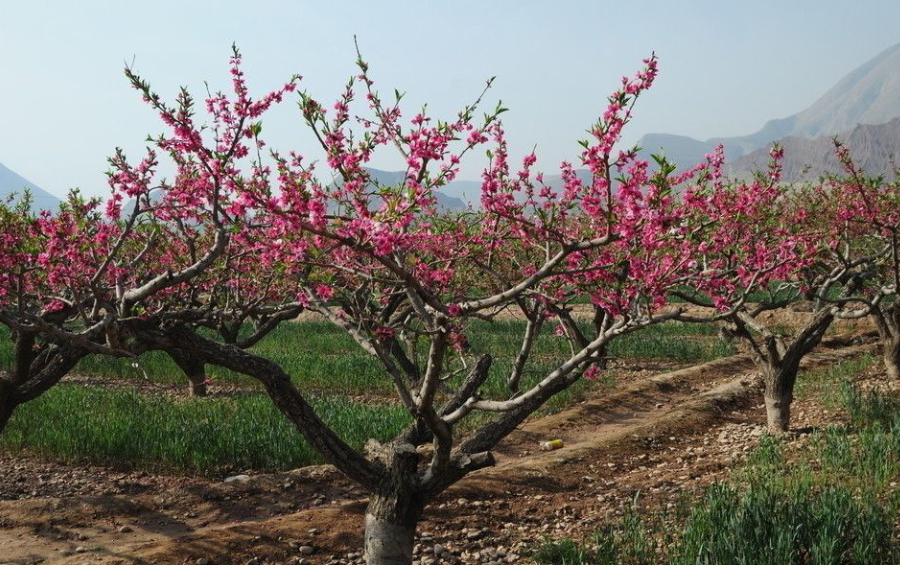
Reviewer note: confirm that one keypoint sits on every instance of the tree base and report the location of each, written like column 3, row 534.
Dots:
column 387, row 543
column 778, row 414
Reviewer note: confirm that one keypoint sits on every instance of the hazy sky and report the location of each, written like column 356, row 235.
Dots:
column 725, row 67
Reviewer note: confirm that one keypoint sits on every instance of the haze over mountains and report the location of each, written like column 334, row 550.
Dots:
column 869, row 95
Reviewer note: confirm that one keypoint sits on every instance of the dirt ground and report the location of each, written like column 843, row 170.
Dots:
column 659, row 436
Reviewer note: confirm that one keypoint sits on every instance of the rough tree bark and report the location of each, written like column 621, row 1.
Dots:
column 779, row 394
column 35, row 372
column 193, row 368
column 394, row 509
column 887, row 321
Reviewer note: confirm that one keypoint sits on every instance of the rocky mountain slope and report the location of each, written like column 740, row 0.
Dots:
column 868, row 95
column 875, row 149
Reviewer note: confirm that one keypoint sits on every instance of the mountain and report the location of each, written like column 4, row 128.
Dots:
column 448, row 198
column 10, row 182
column 868, row 95
column 874, row 148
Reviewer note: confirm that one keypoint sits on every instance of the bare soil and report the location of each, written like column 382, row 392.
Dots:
column 659, row 435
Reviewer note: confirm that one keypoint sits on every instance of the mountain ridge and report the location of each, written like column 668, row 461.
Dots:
column 869, row 94
column 875, row 149
column 13, row 183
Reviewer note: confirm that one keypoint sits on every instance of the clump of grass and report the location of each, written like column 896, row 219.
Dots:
column 121, row 428
column 868, row 409
column 825, row 384
column 773, row 524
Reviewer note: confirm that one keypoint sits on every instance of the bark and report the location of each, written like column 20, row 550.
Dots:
column 30, row 380
column 194, row 369
column 891, row 357
column 778, row 412
column 7, row 404
column 779, row 395
column 888, row 325
column 388, row 542
column 394, row 509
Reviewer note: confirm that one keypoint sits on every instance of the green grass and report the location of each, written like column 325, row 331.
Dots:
column 323, row 358
column 826, row 383
column 118, row 426
column 830, row 503
column 122, row 428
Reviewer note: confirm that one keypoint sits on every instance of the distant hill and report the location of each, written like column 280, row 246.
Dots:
column 10, row 183
column 447, row 198
column 875, row 149
column 868, row 95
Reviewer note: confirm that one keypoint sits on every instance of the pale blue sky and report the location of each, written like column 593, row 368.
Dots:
column 725, row 67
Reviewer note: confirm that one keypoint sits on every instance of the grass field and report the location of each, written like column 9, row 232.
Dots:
column 833, row 503
column 119, row 426
column 323, row 358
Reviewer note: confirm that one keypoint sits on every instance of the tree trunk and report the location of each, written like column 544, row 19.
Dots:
column 779, row 395
column 194, row 370
column 198, row 384
column 778, row 411
column 7, row 405
column 390, row 531
column 395, row 507
column 891, row 357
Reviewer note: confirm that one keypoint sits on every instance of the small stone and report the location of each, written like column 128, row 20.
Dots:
column 202, row 561
column 125, row 530
column 80, row 549
column 306, row 550
column 438, row 549
column 237, row 479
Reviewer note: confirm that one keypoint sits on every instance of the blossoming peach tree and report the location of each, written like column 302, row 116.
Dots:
column 407, row 282
column 72, row 282
column 775, row 246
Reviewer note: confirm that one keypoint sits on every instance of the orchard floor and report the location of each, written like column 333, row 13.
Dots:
column 658, row 436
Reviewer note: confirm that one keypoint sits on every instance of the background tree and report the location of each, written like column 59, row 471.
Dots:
column 771, row 248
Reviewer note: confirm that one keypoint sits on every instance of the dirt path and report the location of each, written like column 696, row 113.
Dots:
column 658, row 436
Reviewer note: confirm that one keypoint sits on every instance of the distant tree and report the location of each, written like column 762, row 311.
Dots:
column 867, row 214
column 72, row 281
column 772, row 247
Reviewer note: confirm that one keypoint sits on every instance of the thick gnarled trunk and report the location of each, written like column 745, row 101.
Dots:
column 391, row 527
column 779, row 395
column 891, row 356
column 395, row 507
